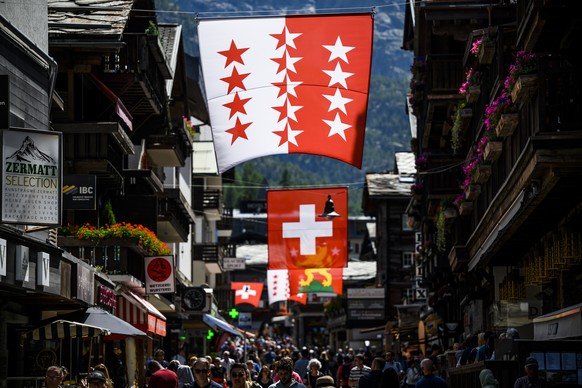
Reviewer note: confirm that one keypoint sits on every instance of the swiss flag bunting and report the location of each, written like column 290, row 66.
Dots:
column 282, row 85
column 246, row 292
column 313, row 280
column 299, row 237
column 278, row 287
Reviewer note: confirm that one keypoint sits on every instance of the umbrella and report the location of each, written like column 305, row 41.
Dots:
column 99, row 317
column 61, row 328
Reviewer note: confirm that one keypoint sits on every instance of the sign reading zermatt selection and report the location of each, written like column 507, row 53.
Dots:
column 299, row 237
column 247, row 292
column 283, row 85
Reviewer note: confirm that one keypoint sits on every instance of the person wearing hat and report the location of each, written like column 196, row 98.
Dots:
column 97, row 379
column 325, row 382
column 532, row 378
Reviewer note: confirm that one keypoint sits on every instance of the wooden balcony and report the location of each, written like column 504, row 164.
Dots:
column 169, row 150
column 174, row 216
column 208, row 202
column 213, row 254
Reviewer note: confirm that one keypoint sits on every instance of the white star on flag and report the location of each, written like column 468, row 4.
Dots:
column 338, row 76
column 338, row 51
column 290, row 38
column 277, row 285
column 337, row 127
column 337, row 101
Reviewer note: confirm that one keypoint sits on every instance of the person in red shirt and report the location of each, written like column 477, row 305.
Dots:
column 161, row 378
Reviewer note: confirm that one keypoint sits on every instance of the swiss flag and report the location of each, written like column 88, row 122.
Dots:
column 282, row 85
column 246, row 292
column 278, row 287
column 312, row 280
column 298, row 237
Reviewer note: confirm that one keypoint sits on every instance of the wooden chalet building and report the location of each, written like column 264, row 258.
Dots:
column 494, row 89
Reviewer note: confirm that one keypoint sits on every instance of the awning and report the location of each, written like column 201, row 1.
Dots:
column 140, row 313
column 120, row 109
column 99, row 317
column 60, row 329
column 218, row 324
column 561, row 324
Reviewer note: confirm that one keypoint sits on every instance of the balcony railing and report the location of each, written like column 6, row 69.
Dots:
column 169, row 150
column 213, row 252
column 174, row 216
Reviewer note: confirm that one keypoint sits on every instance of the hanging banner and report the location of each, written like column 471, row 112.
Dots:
column 316, row 280
column 278, row 287
column 300, row 235
column 285, row 85
column 247, row 292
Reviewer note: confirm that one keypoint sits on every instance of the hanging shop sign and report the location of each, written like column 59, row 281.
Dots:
column 31, row 177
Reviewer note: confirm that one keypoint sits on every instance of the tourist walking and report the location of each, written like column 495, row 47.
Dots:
column 429, row 379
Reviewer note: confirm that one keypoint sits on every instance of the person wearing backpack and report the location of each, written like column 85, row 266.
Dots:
column 343, row 372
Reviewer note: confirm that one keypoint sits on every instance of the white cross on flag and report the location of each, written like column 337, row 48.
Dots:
column 282, row 85
column 299, row 236
column 245, row 292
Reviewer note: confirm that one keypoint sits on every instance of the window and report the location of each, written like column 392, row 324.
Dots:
column 407, row 259
column 406, row 226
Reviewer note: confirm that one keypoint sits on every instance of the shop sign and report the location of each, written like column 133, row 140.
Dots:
column 159, row 274
column 79, row 192
column 31, row 177
column 366, row 314
column 85, row 283
column 107, row 297
column 233, row 263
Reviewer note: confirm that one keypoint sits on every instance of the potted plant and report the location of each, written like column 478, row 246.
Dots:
column 501, row 115
column 484, row 48
column 522, row 79
column 460, row 121
column 422, row 161
column 471, row 88
column 465, row 207
column 143, row 236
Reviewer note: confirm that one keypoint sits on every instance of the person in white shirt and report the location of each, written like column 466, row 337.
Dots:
column 358, row 371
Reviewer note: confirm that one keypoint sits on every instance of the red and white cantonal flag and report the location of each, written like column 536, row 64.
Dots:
column 278, row 287
column 247, row 292
column 284, row 85
column 299, row 237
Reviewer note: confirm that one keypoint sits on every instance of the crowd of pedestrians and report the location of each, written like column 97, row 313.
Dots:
column 276, row 366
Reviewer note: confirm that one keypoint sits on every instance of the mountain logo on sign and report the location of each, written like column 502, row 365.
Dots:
column 28, row 152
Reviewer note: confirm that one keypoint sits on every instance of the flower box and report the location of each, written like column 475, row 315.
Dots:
column 482, row 173
column 492, row 151
column 486, row 53
column 507, row 124
column 465, row 208
column 524, row 88
column 473, row 93
column 472, row 192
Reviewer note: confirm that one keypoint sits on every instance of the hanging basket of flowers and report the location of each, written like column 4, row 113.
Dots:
column 522, row 78
column 501, row 107
column 471, row 88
